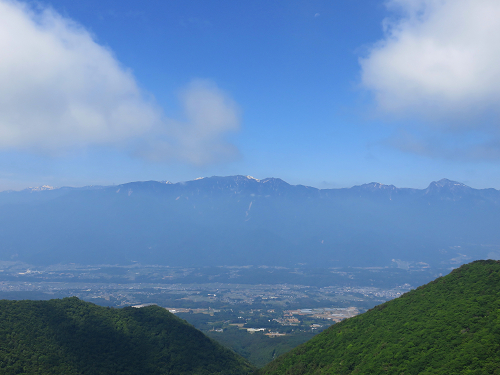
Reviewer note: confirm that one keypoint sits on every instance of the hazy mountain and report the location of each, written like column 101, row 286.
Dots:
column 449, row 326
column 70, row 336
column 240, row 220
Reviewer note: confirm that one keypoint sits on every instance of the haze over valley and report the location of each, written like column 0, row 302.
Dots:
column 239, row 221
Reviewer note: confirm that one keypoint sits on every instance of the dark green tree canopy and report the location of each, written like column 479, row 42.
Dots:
column 449, row 326
column 70, row 336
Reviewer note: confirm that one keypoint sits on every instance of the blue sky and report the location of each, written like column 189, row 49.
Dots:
column 321, row 93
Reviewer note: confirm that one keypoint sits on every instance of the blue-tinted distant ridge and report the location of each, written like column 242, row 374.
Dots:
column 240, row 220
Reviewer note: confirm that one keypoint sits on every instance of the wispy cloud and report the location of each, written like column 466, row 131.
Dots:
column 462, row 147
column 60, row 90
column 439, row 63
column 201, row 138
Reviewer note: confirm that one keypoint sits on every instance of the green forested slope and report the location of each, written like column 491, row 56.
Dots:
column 70, row 336
column 449, row 326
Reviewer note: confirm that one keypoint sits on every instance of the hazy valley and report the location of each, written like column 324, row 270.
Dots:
column 284, row 307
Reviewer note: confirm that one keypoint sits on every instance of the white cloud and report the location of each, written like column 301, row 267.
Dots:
column 210, row 115
column 60, row 90
column 439, row 61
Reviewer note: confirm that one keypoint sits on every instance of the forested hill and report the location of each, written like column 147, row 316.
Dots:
column 449, row 326
column 70, row 336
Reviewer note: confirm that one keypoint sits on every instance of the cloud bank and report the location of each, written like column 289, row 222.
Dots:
column 438, row 68
column 60, row 90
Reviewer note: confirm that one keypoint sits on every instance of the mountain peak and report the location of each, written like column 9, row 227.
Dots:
column 377, row 186
column 445, row 183
column 252, row 178
column 41, row 188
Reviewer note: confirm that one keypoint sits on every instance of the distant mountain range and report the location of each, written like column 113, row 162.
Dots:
column 240, row 220
column 449, row 326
